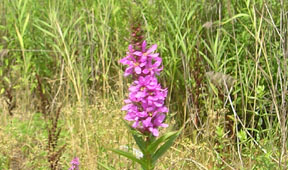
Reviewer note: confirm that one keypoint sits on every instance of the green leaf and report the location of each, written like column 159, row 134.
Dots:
column 154, row 145
column 45, row 31
column 105, row 166
column 234, row 17
column 129, row 156
column 25, row 24
column 165, row 147
column 20, row 38
column 208, row 60
column 137, row 137
column 139, row 141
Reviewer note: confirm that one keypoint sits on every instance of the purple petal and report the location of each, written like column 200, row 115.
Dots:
column 154, row 131
column 141, row 80
column 135, row 124
column 159, row 103
column 153, row 84
column 158, row 62
column 140, row 94
column 128, row 71
column 142, row 114
column 147, row 122
column 150, row 109
column 153, row 48
column 126, row 107
column 163, row 109
column 129, row 117
column 127, row 101
column 123, row 60
column 152, row 98
column 143, row 58
column 138, row 53
column 164, row 125
column 133, row 88
column 154, row 55
column 130, row 48
column 159, row 119
column 144, row 45
column 126, row 60
column 138, row 70
column 145, row 71
column 142, row 64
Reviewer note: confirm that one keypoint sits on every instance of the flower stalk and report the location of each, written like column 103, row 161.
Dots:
column 145, row 105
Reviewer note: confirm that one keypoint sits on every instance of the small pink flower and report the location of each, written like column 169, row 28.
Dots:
column 75, row 164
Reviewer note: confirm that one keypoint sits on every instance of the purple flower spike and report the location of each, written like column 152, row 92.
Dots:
column 74, row 164
column 145, row 106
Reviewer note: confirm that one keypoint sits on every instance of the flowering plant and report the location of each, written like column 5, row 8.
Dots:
column 75, row 164
column 145, row 105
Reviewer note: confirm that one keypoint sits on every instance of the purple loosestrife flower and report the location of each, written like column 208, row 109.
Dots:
column 74, row 164
column 142, row 88
column 153, row 68
column 144, row 61
column 145, row 54
column 131, row 61
column 152, row 61
column 145, row 105
column 152, row 123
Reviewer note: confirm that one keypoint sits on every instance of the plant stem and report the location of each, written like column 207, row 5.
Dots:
column 147, row 155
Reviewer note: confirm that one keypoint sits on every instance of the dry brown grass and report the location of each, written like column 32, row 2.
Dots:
column 88, row 131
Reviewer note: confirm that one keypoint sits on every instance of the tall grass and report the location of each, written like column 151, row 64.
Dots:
column 225, row 66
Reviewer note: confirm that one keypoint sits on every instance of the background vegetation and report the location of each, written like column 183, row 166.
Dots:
column 225, row 66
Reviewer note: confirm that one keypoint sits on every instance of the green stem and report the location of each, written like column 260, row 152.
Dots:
column 148, row 156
